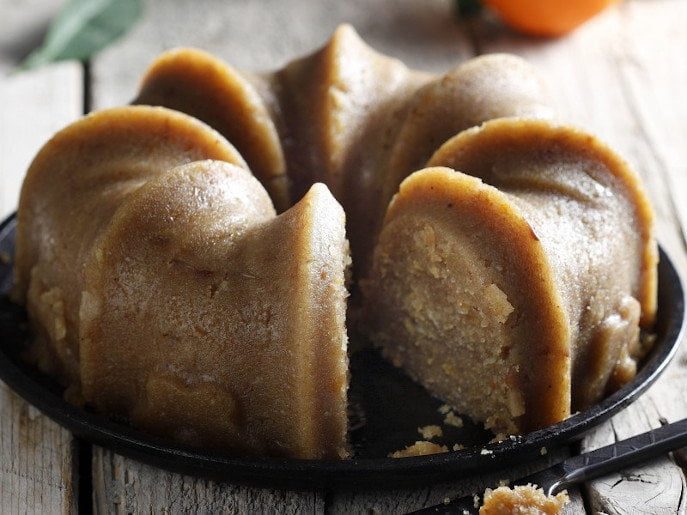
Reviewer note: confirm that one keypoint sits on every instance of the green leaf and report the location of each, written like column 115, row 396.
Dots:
column 82, row 28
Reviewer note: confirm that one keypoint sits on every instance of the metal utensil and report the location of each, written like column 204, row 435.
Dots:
column 589, row 465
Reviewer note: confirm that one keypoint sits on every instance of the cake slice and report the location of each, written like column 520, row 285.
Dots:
column 516, row 293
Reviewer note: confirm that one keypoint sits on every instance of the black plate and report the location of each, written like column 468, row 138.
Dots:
column 386, row 410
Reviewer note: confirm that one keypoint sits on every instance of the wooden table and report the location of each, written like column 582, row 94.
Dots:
column 623, row 76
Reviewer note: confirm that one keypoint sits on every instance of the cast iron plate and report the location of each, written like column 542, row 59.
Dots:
column 386, row 409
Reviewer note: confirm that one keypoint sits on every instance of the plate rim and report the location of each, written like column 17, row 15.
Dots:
column 359, row 473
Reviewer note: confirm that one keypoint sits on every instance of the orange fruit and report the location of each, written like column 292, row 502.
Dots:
column 547, row 17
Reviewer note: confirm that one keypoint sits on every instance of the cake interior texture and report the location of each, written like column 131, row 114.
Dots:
column 185, row 261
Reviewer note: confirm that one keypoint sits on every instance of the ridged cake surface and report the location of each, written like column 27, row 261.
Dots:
column 504, row 260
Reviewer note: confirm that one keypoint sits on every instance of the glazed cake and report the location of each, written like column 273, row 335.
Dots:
column 172, row 294
column 510, row 278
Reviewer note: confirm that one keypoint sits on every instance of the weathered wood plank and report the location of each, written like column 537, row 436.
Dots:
column 654, row 70
column 593, row 74
column 651, row 66
column 619, row 76
column 121, row 485
column 35, row 105
column 653, row 488
column 258, row 36
column 37, row 460
column 37, row 457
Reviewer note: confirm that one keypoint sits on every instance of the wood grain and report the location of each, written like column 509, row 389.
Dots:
column 121, row 485
column 35, row 105
column 38, row 462
column 656, row 488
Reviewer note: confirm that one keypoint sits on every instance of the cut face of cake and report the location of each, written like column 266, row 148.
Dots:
column 185, row 303
column 516, row 292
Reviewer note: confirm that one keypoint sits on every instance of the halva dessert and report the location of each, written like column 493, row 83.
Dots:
column 503, row 260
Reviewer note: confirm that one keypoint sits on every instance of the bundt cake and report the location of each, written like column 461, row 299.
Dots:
column 514, row 290
column 346, row 116
column 170, row 293
column 163, row 287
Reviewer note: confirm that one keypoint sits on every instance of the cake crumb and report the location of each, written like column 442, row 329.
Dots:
column 523, row 500
column 543, row 451
column 419, row 448
column 484, row 452
column 447, row 500
column 453, row 420
column 444, row 409
column 457, row 447
column 429, row 432
column 33, row 412
column 504, row 482
column 496, row 302
column 500, row 437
